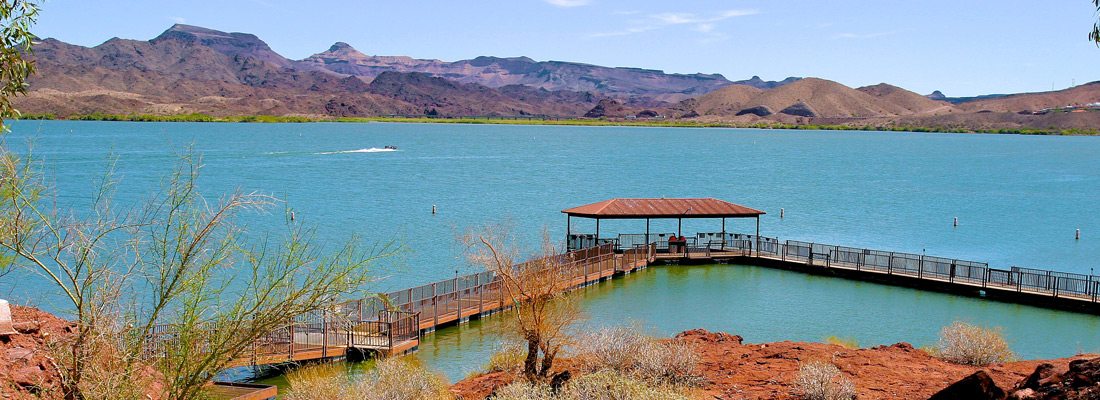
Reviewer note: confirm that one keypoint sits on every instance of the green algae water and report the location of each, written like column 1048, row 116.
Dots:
column 1019, row 200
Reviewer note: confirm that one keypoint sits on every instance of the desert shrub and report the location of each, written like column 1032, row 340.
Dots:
column 391, row 379
column 848, row 343
column 509, row 358
column 322, row 381
column 612, row 385
column 603, row 385
column 626, row 351
column 524, row 391
column 963, row 343
column 668, row 362
column 819, row 380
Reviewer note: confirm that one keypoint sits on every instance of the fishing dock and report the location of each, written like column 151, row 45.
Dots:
column 392, row 323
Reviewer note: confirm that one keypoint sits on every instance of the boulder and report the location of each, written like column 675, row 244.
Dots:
column 977, row 386
column 7, row 326
column 1041, row 377
column 647, row 114
column 1083, row 373
column 760, row 111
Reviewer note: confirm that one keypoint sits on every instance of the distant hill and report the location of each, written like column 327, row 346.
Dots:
column 911, row 102
column 813, row 97
column 1074, row 96
column 550, row 75
column 938, row 95
column 758, row 83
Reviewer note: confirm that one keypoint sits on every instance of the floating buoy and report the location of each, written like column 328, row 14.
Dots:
column 433, row 209
column 781, row 213
column 292, row 215
column 956, row 223
column 1077, row 236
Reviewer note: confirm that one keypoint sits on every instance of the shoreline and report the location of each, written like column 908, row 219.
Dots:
column 549, row 121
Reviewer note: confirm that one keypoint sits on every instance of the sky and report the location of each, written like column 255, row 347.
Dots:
column 961, row 47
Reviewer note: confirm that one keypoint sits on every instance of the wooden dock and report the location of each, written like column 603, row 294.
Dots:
column 1042, row 288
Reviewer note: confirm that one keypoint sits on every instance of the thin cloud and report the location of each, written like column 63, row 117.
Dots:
column 568, row 3
column 699, row 23
column 178, row 20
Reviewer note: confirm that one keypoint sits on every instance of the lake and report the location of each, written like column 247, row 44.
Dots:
column 1018, row 200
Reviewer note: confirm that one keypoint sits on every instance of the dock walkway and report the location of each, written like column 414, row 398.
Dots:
column 392, row 323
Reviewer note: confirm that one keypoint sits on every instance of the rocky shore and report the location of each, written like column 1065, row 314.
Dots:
column 732, row 369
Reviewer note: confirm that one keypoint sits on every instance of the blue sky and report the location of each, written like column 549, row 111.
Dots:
column 962, row 47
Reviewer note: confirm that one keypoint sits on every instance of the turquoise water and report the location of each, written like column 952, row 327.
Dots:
column 1018, row 200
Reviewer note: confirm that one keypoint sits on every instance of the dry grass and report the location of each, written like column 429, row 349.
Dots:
column 967, row 344
column 391, row 379
column 626, row 351
column 603, row 385
column 509, row 358
column 819, row 380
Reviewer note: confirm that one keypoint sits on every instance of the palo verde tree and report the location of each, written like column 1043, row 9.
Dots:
column 543, row 310
column 176, row 284
column 1095, row 34
column 16, row 19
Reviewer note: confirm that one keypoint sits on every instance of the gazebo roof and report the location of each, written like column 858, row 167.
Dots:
column 663, row 208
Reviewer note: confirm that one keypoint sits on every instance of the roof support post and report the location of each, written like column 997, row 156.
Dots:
column 597, row 232
column 679, row 227
column 757, row 235
column 568, row 230
column 723, row 233
column 646, row 240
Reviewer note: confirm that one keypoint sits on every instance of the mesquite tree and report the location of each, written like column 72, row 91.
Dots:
column 543, row 311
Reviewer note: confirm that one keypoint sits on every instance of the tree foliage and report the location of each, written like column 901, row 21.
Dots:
column 175, row 285
column 16, row 39
column 1095, row 34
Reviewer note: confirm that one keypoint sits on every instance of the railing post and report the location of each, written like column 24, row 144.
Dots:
column 1055, row 286
column 324, row 334
column 458, row 299
column 985, row 277
column 920, row 267
column 435, row 308
column 890, row 264
column 1019, row 281
column 290, row 350
column 480, row 294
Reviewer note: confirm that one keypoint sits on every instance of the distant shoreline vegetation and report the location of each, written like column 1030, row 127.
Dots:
column 550, row 121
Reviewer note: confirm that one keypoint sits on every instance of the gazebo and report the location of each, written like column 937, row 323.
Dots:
column 650, row 209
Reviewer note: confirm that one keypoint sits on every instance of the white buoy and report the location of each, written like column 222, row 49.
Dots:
column 1077, row 236
column 292, row 215
column 781, row 213
column 956, row 223
column 433, row 209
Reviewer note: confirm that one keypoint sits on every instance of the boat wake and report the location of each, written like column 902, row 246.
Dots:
column 368, row 150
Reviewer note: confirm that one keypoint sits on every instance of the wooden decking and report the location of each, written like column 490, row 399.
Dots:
column 240, row 391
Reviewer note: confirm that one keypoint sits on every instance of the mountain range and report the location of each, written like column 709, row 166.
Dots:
column 189, row 69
